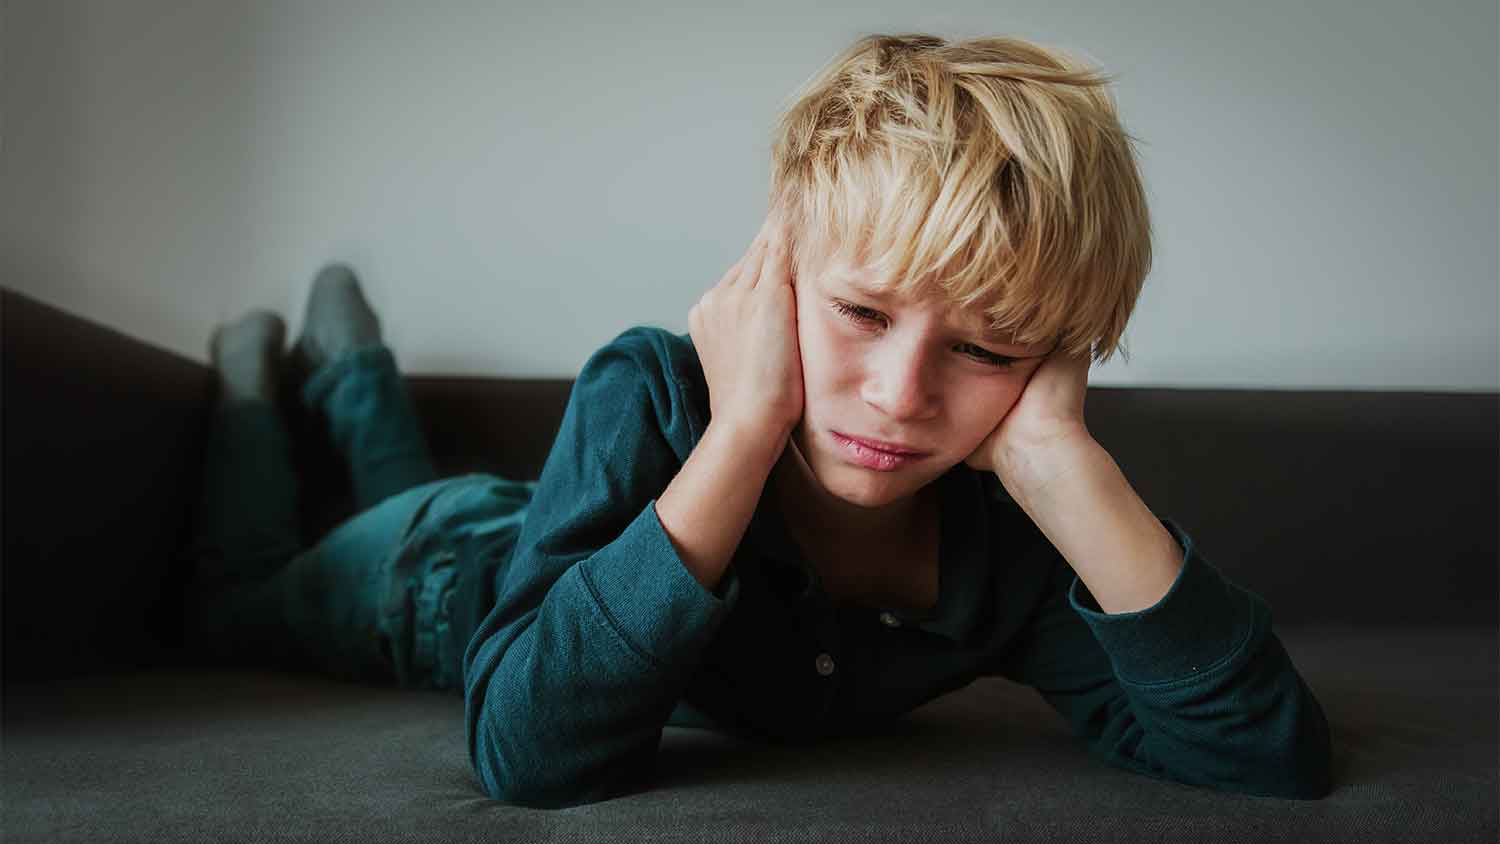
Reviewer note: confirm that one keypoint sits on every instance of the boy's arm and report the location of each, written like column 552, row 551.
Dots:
column 1086, row 508
column 1161, row 664
column 601, row 620
column 707, row 508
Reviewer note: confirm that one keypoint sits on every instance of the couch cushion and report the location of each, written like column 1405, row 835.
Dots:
column 178, row 756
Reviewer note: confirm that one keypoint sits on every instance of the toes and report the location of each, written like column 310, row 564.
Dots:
column 335, row 274
column 269, row 323
column 337, row 319
column 246, row 354
column 256, row 329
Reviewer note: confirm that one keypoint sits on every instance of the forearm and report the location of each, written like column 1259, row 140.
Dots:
column 572, row 675
column 707, row 507
column 1082, row 502
column 1198, row 690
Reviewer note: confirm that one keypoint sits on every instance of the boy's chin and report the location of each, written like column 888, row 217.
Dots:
column 855, row 484
column 867, row 488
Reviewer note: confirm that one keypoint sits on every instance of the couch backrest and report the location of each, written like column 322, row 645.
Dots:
column 1338, row 507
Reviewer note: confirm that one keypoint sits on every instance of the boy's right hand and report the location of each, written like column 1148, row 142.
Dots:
column 745, row 331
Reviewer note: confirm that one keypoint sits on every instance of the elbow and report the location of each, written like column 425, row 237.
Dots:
column 506, row 774
column 1299, row 762
column 1295, row 762
column 493, row 768
column 1309, row 766
column 513, row 770
column 1303, row 767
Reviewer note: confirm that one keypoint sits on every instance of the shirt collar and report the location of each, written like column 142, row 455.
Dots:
column 963, row 556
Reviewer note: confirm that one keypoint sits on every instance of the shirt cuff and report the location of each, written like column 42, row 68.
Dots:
column 654, row 601
column 1201, row 621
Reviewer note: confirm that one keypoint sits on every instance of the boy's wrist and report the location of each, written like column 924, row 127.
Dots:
column 1089, row 512
column 1028, row 474
column 761, row 441
column 707, row 507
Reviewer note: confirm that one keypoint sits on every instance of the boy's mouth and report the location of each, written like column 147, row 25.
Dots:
column 885, row 446
column 869, row 457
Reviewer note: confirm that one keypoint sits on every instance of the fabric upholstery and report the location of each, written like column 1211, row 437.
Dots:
column 165, row 756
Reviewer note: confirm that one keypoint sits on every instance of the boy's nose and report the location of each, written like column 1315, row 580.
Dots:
column 901, row 387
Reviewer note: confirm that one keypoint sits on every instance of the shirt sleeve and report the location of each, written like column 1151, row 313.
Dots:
column 1195, row 688
column 597, row 625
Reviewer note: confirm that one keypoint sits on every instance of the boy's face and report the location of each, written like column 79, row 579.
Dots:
column 920, row 373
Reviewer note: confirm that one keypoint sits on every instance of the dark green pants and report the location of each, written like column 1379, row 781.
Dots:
column 389, row 596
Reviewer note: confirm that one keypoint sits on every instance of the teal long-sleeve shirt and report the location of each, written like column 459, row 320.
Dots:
column 599, row 636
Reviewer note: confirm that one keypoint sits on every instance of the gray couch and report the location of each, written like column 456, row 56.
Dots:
column 1366, row 520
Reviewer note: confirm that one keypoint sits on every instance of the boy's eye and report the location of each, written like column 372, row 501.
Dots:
column 858, row 314
column 997, row 361
column 855, row 312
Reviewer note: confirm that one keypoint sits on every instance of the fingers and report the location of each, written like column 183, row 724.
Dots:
column 766, row 256
column 747, row 263
column 736, row 269
column 750, row 272
column 775, row 263
column 771, row 264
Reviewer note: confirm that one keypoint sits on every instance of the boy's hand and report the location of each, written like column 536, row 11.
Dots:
column 745, row 332
column 1044, row 421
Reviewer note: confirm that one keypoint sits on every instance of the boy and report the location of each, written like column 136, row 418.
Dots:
column 860, row 481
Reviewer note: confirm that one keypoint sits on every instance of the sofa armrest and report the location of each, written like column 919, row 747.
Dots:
column 103, row 440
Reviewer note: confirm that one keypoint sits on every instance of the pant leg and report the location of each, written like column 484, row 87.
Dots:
column 246, row 524
column 443, row 577
column 370, row 418
column 390, row 596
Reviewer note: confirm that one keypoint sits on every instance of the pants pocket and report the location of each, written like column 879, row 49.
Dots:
column 461, row 530
column 416, row 621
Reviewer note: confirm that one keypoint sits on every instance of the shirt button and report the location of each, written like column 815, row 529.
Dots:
column 825, row 664
column 889, row 620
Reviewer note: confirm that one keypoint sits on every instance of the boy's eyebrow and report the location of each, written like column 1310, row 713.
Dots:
column 868, row 291
column 991, row 334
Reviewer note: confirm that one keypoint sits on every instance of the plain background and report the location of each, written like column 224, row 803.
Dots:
column 516, row 183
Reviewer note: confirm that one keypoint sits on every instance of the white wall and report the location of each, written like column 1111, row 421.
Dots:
column 516, row 185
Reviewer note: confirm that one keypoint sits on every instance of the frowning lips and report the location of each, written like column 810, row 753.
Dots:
column 885, row 445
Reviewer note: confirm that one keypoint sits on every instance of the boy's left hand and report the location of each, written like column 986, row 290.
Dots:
column 1047, row 416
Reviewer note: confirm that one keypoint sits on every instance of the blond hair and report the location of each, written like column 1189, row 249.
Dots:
column 993, row 168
